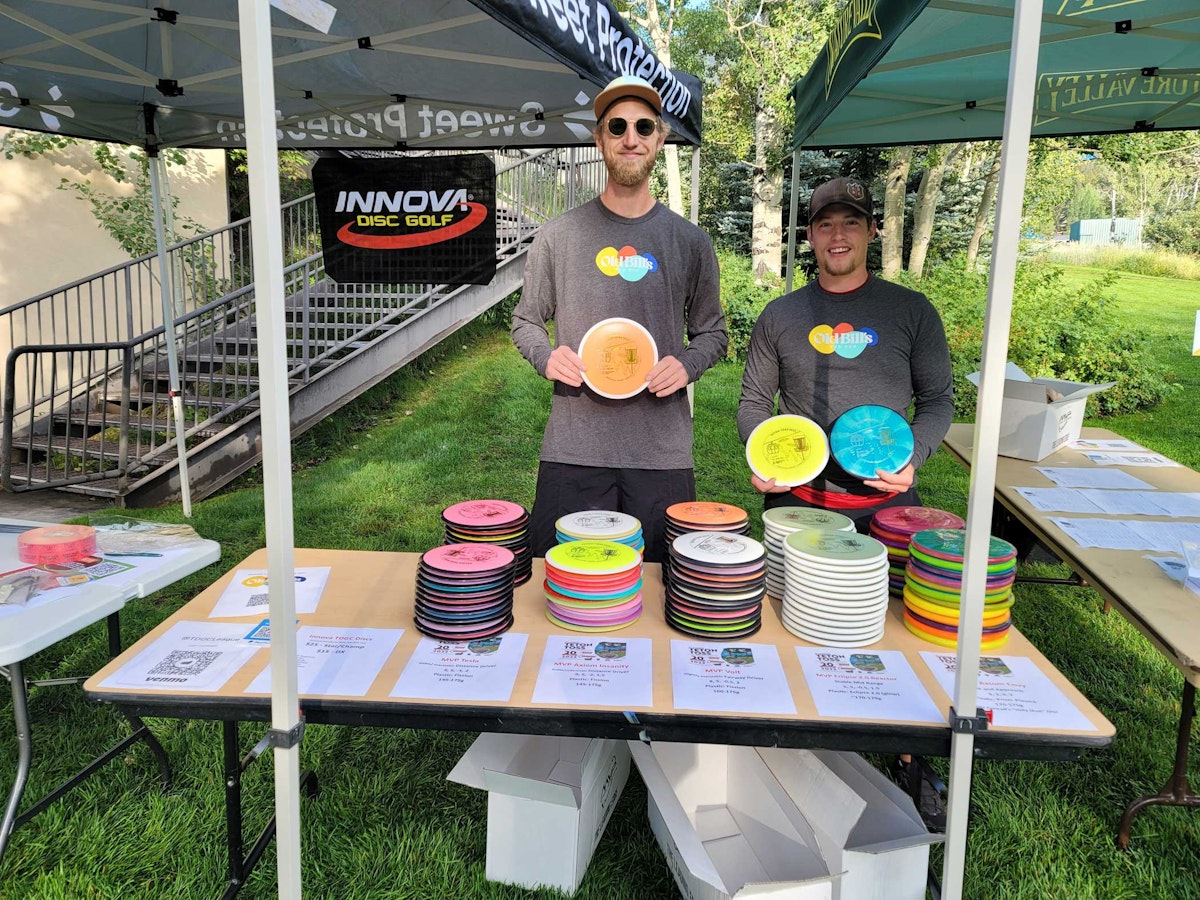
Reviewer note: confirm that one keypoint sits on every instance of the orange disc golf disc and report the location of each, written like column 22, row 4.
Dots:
column 617, row 356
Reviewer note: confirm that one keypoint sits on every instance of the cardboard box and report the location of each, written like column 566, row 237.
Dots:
column 1039, row 415
column 725, row 825
column 549, row 799
column 866, row 826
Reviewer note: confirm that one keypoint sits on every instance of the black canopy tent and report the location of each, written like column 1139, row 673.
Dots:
column 900, row 72
column 414, row 74
column 308, row 74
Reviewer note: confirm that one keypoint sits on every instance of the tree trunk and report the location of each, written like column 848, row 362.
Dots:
column 925, row 209
column 766, row 240
column 984, row 212
column 893, row 211
column 661, row 38
column 674, row 185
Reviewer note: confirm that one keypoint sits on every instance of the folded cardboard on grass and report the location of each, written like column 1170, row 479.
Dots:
column 726, row 826
column 1040, row 415
column 549, row 799
column 866, row 826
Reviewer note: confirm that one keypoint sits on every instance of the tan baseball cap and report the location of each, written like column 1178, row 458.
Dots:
column 848, row 191
column 626, row 86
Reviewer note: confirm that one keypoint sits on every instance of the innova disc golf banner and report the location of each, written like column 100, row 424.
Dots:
column 421, row 220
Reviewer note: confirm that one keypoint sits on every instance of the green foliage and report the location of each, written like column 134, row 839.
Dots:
column 743, row 297
column 1058, row 331
column 1177, row 229
column 128, row 217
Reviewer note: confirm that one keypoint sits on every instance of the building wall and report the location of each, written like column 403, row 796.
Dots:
column 49, row 238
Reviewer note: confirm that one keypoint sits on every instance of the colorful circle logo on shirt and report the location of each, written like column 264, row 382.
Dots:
column 626, row 262
column 842, row 339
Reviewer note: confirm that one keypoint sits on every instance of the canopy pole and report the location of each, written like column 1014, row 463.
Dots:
column 793, row 206
column 266, row 233
column 696, row 185
column 166, row 293
column 1018, row 119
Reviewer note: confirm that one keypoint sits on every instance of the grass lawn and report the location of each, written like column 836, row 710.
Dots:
column 465, row 422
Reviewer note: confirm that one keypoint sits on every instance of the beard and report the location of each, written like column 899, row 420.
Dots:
column 628, row 172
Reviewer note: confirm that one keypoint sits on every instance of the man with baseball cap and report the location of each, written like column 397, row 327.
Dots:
column 848, row 339
column 621, row 255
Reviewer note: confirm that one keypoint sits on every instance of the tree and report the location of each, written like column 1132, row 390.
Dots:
column 983, row 211
column 894, row 195
column 657, row 19
column 775, row 43
column 925, row 206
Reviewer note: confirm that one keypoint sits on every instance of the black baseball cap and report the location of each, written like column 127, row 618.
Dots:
column 848, row 191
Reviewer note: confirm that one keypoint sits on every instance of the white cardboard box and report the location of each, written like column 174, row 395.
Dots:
column 549, row 799
column 725, row 825
column 866, row 826
column 1040, row 415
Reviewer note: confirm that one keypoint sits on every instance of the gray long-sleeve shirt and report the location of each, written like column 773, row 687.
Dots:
column 659, row 270
column 824, row 353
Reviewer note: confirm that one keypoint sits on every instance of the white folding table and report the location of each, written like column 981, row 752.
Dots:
column 50, row 617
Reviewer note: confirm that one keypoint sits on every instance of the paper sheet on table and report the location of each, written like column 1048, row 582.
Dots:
column 247, row 595
column 1105, row 444
column 1130, row 459
column 1107, row 534
column 858, row 684
column 485, row 669
column 1176, row 570
column 611, row 671
column 1065, row 476
column 335, row 661
column 190, row 656
column 1014, row 691
column 729, row 678
column 1116, row 503
column 1058, row 499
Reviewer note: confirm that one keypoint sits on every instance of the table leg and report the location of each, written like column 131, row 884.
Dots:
column 24, row 753
column 239, row 867
column 1177, row 791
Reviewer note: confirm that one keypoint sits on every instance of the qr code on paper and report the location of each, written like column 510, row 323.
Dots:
column 181, row 665
column 259, row 600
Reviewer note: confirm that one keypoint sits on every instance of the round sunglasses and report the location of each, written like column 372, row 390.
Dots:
column 644, row 127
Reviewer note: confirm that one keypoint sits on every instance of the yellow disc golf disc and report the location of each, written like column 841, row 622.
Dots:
column 791, row 449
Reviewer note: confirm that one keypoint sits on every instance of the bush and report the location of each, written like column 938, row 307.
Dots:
column 1057, row 332
column 1176, row 230
column 743, row 298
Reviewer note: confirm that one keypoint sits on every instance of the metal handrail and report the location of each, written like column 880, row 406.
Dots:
column 45, row 388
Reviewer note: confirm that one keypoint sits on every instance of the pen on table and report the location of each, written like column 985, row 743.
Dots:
column 133, row 554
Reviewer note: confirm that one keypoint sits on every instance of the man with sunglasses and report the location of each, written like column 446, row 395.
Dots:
column 848, row 339
column 625, row 255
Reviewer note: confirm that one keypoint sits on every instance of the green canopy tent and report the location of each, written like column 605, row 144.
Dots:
column 929, row 71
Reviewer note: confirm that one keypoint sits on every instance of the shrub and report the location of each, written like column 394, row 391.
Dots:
column 1175, row 230
column 743, row 297
column 1056, row 332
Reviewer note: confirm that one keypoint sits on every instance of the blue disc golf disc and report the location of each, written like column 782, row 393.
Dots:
column 868, row 438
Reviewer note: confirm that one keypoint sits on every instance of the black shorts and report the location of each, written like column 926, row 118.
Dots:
column 643, row 493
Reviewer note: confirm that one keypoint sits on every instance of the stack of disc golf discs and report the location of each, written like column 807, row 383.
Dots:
column 781, row 521
column 837, row 587
column 716, row 585
column 933, row 587
column 894, row 527
column 495, row 522
column 593, row 586
column 866, row 439
column 703, row 515
column 601, row 525
column 464, row 591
